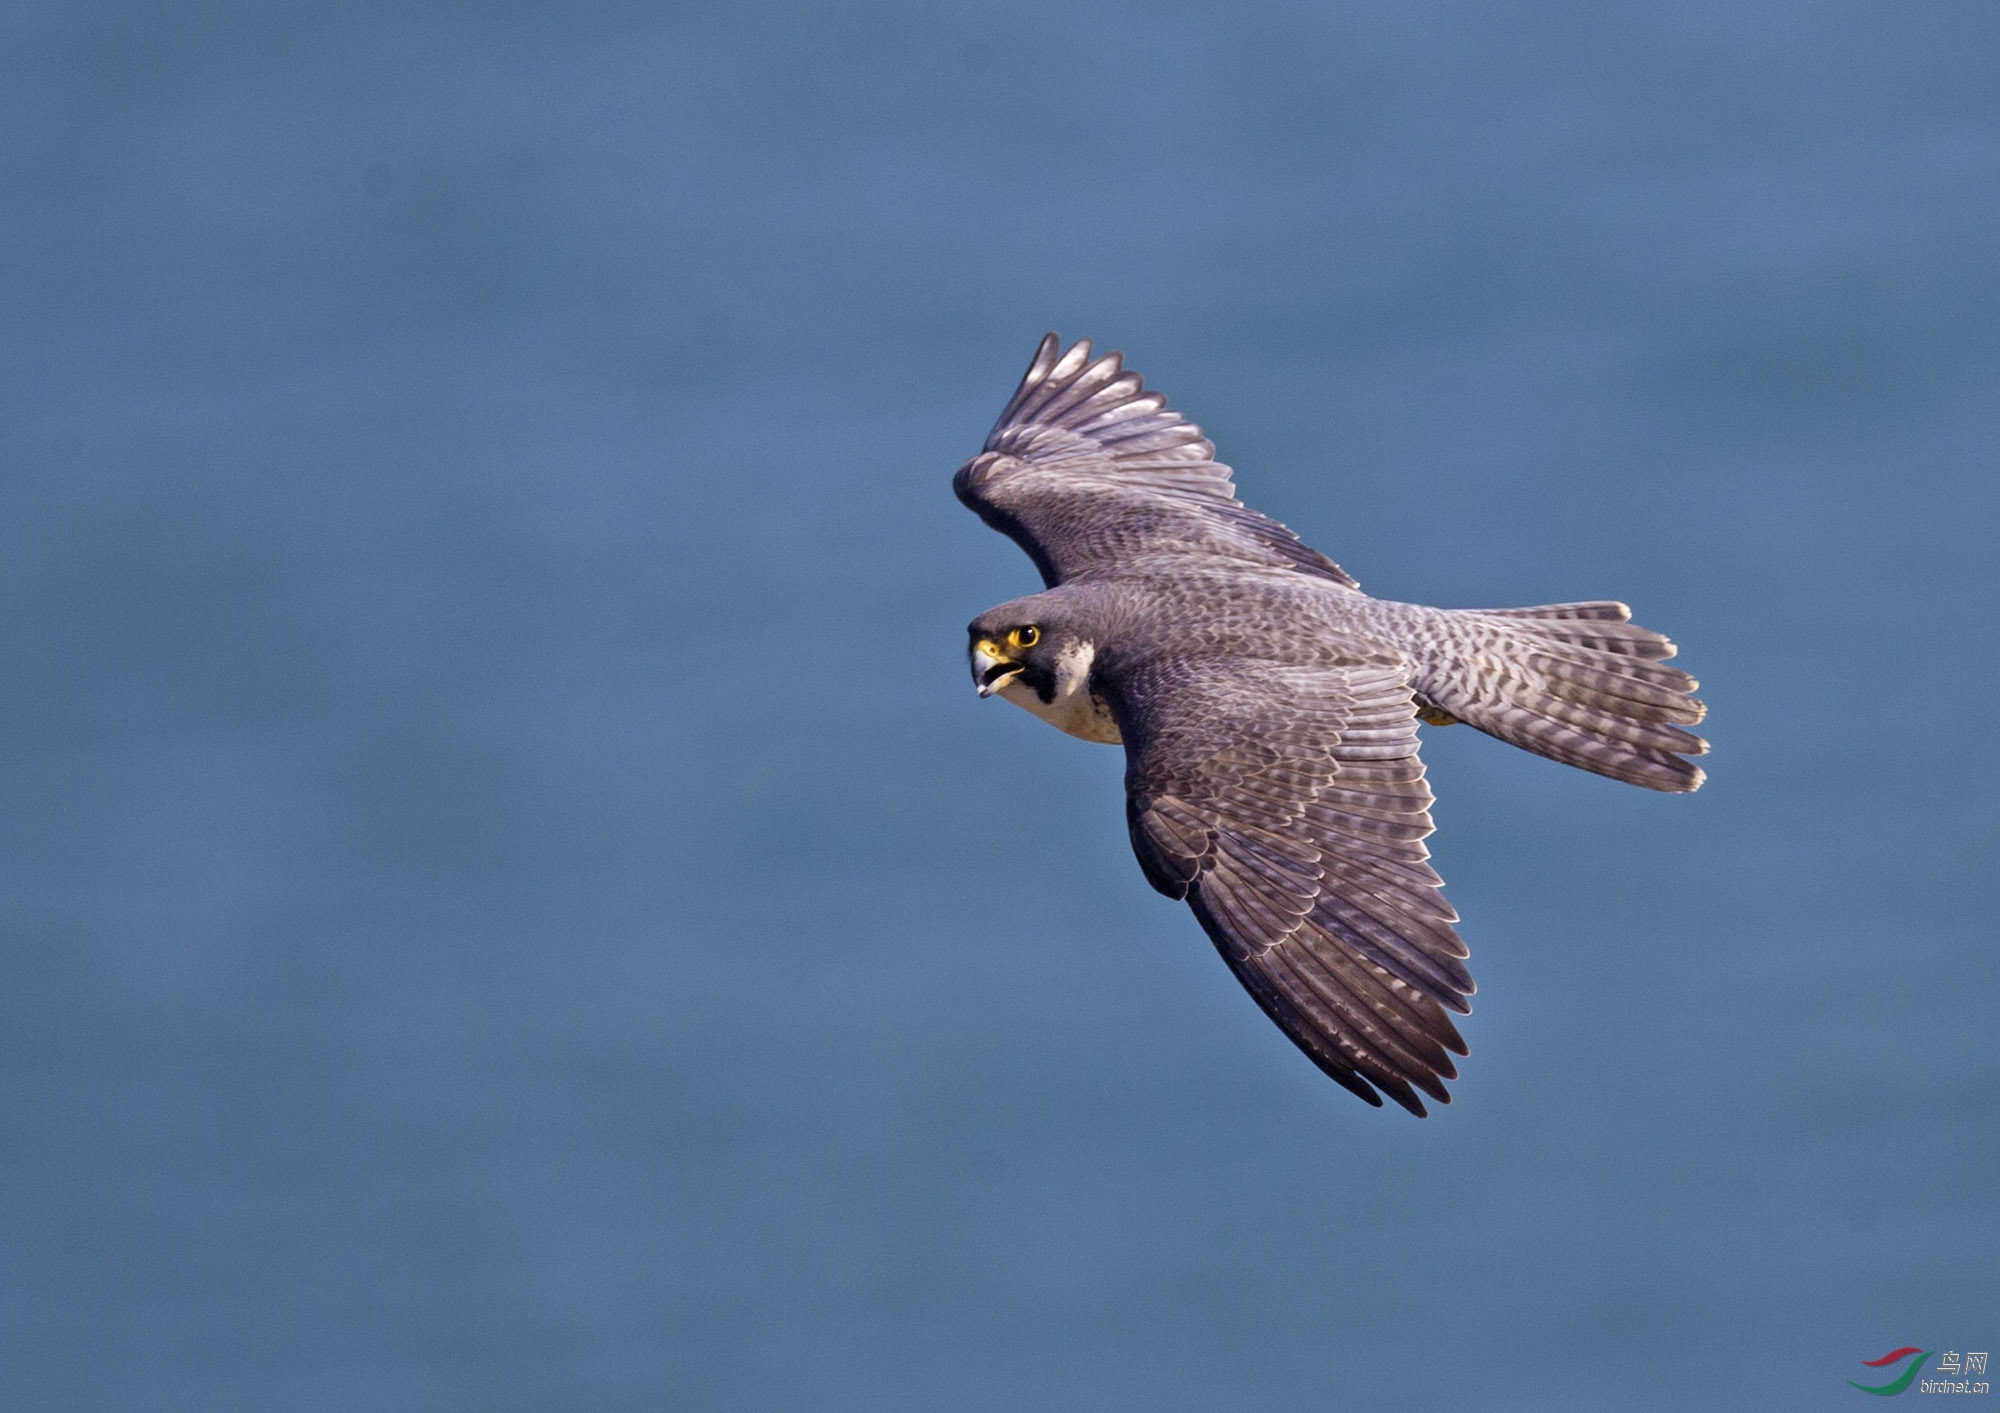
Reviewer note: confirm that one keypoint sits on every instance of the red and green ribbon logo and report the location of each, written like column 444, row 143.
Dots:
column 1902, row 1380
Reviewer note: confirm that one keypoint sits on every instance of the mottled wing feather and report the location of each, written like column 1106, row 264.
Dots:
column 1085, row 469
column 1287, row 805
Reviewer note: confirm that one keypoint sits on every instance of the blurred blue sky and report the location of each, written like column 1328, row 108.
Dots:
column 509, row 899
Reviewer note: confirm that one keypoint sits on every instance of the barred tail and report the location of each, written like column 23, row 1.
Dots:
column 1577, row 683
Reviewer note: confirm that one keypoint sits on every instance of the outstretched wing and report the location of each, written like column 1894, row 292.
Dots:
column 1287, row 805
column 1086, row 468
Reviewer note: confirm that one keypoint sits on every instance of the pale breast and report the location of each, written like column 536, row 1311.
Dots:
column 1075, row 708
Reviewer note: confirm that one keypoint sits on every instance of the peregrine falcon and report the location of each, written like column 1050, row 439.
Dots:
column 1268, row 709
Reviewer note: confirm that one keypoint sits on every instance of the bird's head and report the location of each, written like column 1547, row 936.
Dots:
column 1038, row 653
column 1010, row 649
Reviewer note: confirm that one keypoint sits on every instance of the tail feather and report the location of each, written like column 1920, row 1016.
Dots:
column 1577, row 683
column 1600, row 627
column 1636, row 697
column 1603, row 609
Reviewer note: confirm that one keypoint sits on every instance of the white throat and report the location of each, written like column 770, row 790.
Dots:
column 1076, row 709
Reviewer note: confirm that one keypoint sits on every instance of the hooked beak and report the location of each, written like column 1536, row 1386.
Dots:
column 991, row 670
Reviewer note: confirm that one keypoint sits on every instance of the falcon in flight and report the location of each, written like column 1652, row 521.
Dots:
column 1268, row 709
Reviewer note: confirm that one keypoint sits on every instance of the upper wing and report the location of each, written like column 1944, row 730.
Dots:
column 1085, row 468
column 1288, row 806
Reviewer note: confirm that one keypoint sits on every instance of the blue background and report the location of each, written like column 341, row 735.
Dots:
column 510, row 901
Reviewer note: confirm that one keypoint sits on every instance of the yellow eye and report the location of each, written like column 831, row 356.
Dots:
column 1024, row 637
